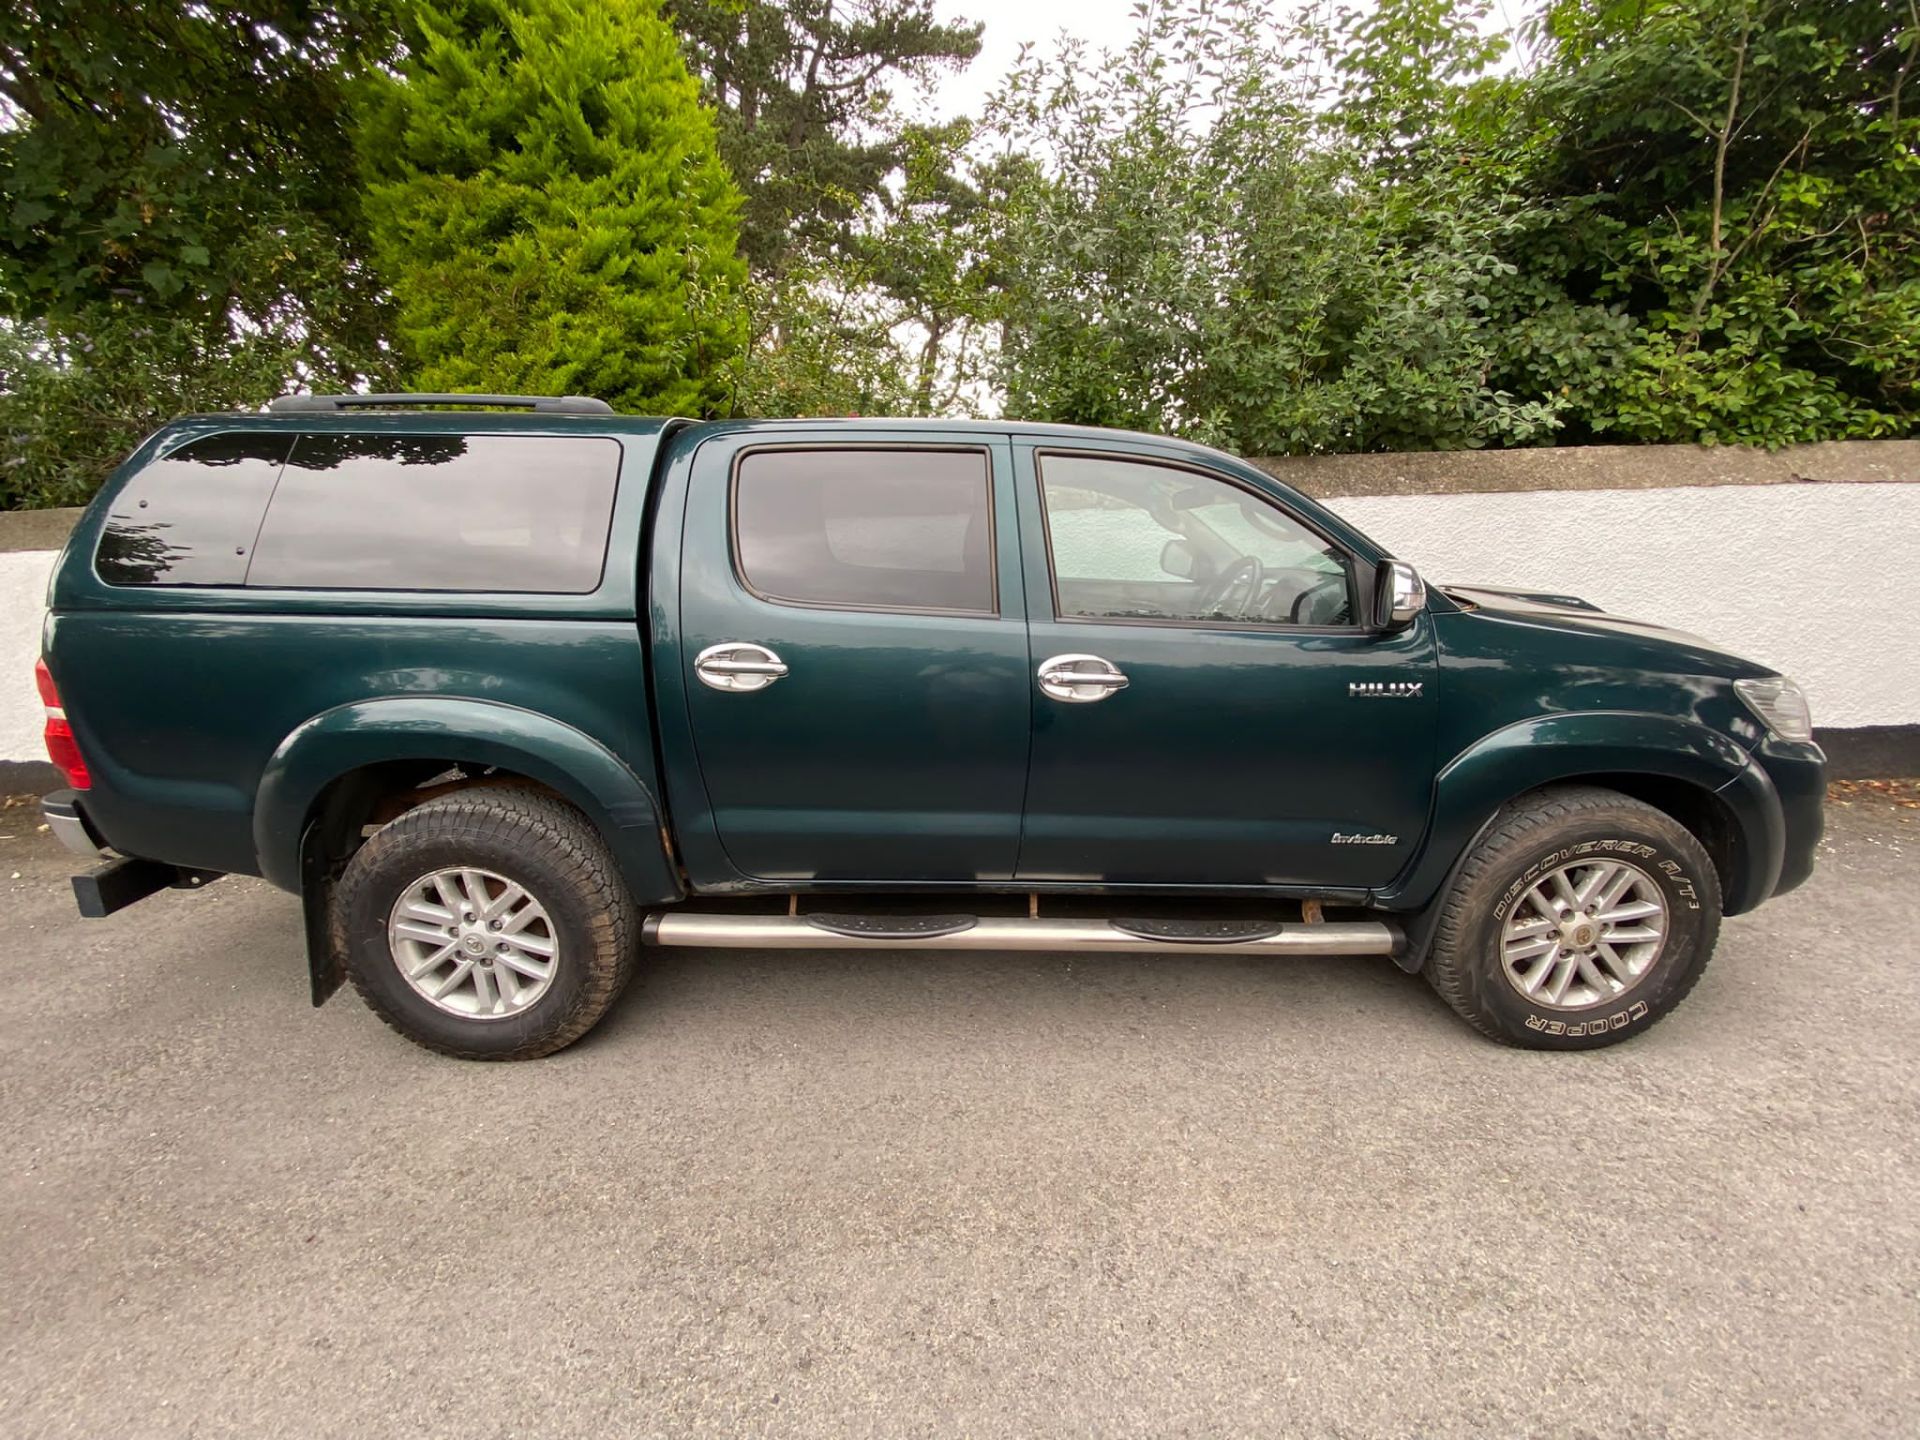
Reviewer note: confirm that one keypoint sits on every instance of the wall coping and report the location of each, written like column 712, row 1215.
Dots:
column 1597, row 467
column 35, row 529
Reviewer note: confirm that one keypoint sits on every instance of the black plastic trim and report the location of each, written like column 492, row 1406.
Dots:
column 543, row 404
column 893, row 927
column 120, row 883
column 1201, row 932
column 326, row 966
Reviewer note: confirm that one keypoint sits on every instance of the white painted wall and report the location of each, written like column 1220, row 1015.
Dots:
column 23, row 604
column 1815, row 580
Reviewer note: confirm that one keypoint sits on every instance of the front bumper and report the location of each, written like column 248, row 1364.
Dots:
column 1799, row 775
column 70, row 826
column 1776, row 803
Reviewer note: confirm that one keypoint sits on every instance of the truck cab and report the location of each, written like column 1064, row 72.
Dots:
column 458, row 676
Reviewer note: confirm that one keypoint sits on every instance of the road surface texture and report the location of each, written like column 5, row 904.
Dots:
column 867, row 1194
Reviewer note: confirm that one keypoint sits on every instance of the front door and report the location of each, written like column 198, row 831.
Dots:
column 1206, row 710
column 855, row 656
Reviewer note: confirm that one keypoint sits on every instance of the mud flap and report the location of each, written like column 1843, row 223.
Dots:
column 326, row 966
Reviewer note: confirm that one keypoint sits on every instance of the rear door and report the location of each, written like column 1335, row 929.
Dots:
column 854, row 655
column 1209, row 710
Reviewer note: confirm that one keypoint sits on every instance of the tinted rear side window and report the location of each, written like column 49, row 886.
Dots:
column 189, row 518
column 519, row 513
column 867, row 529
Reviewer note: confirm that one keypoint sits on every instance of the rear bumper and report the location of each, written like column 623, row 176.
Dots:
column 119, row 881
column 70, row 826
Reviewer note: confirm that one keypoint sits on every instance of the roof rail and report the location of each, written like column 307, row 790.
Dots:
column 545, row 404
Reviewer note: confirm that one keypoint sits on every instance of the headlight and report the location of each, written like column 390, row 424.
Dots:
column 1779, row 702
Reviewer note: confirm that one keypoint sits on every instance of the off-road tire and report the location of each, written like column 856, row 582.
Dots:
column 1529, row 839
column 544, row 844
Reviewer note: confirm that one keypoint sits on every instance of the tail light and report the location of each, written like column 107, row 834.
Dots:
column 62, row 749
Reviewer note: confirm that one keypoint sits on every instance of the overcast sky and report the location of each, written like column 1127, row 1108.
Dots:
column 1106, row 24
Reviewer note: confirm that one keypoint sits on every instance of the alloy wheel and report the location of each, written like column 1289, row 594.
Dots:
column 473, row 943
column 1584, row 934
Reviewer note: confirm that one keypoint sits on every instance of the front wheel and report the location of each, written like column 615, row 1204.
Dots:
column 489, row 924
column 1580, row 919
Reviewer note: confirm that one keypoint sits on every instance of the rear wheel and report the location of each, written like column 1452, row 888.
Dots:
column 1580, row 919
column 490, row 924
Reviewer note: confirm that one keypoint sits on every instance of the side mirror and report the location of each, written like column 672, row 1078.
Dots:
column 1177, row 559
column 1400, row 595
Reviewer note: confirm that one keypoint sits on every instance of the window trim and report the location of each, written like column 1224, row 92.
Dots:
column 983, row 451
column 1061, row 617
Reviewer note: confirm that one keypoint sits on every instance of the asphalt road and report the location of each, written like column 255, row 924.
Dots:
column 823, row 1194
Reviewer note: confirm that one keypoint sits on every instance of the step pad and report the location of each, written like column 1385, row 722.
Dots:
column 892, row 927
column 1201, row 932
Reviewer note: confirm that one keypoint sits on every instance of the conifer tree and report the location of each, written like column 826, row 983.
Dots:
column 549, row 209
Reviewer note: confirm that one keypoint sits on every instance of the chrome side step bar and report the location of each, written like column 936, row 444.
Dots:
column 807, row 932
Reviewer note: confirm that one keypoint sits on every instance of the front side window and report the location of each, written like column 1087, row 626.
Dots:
column 522, row 514
column 1133, row 540
column 867, row 529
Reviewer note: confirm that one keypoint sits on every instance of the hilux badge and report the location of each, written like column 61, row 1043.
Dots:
column 1384, row 689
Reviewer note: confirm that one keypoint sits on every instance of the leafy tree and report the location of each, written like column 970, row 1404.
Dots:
column 71, row 408
column 1204, row 256
column 179, row 221
column 824, row 342
column 898, row 323
column 1731, row 253
column 167, row 156
column 548, row 206
column 805, row 95
column 1676, row 220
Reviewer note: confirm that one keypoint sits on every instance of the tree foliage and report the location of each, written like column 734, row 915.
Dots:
column 1682, row 220
column 179, row 221
column 853, row 194
column 549, row 209
column 895, row 320
column 71, row 408
column 1204, row 256
column 1729, row 250
column 810, row 126
column 167, row 156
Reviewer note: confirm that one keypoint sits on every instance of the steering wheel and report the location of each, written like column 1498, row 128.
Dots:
column 1306, row 600
column 1240, row 581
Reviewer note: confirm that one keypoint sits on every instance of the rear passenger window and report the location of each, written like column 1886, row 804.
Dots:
column 867, row 529
column 189, row 518
column 516, row 513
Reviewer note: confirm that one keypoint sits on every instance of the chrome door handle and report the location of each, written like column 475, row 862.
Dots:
column 738, row 665
column 1079, row 679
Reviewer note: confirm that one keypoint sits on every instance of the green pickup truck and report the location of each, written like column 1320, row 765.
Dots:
column 507, row 694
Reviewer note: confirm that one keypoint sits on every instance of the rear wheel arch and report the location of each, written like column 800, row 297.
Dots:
column 367, row 763
column 351, row 805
